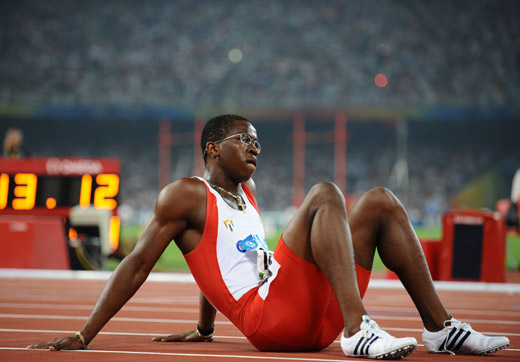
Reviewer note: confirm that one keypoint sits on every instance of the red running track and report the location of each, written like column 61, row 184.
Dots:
column 38, row 309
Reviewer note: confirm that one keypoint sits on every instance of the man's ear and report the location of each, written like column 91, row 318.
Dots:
column 212, row 149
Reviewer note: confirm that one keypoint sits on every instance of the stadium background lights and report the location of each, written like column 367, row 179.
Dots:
column 235, row 55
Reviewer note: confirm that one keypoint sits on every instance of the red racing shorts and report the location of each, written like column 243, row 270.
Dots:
column 300, row 311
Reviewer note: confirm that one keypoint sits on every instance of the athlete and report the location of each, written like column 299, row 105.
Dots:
column 302, row 296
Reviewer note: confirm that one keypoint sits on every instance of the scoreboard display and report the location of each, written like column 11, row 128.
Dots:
column 82, row 192
column 54, row 185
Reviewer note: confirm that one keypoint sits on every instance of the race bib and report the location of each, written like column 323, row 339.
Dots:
column 264, row 256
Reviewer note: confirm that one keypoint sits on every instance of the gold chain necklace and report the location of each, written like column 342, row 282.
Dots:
column 241, row 204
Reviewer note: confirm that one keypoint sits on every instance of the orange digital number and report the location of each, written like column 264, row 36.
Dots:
column 85, row 192
column 114, row 230
column 108, row 187
column 25, row 191
column 4, row 188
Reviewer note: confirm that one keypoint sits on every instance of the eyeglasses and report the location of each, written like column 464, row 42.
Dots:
column 244, row 138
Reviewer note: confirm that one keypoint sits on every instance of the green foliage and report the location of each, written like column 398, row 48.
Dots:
column 513, row 252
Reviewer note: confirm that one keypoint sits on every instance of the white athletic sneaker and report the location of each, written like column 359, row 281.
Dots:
column 372, row 342
column 458, row 337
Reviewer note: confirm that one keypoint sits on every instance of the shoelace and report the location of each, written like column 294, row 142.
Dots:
column 369, row 327
column 370, row 333
column 453, row 324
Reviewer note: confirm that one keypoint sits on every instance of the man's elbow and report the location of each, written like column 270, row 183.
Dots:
column 137, row 266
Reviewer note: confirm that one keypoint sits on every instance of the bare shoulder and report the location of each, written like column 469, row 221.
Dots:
column 186, row 184
column 181, row 198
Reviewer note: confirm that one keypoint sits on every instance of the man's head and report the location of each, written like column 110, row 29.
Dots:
column 218, row 128
column 13, row 142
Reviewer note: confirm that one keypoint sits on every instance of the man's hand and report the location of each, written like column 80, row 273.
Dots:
column 56, row 344
column 190, row 336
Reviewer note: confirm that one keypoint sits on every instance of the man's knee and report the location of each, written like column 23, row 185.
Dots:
column 383, row 199
column 326, row 193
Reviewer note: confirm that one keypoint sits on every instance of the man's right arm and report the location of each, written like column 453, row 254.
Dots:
column 176, row 205
column 207, row 314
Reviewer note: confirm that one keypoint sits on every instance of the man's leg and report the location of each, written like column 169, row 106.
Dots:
column 319, row 234
column 379, row 220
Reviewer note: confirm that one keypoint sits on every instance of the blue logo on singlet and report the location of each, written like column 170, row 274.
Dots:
column 252, row 242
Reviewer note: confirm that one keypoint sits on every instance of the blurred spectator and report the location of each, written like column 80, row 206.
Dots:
column 295, row 53
column 13, row 144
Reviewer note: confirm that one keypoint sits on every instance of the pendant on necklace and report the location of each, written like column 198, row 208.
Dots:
column 241, row 204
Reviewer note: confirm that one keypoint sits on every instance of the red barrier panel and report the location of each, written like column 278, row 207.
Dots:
column 33, row 242
column 473, row 246
column 431, row 250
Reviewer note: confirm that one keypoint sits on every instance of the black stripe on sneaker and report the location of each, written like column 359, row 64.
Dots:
column 442, row 347
column 357, row 345
column 454, row 340
column 457, row 347
column 369, row 343
column 362, row 350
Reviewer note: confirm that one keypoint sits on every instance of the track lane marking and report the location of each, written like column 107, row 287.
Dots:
column 410, row 330
column 187, row 278
column 184, row 321
column 194, row 355
column 374, row 310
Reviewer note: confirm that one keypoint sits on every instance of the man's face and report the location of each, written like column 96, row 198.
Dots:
column 237, row 157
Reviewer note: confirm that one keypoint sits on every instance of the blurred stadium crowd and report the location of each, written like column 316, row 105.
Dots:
column 443, row 159
column 296, row 55
column 291, row 53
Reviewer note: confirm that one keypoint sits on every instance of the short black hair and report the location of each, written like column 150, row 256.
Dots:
column 217, row 128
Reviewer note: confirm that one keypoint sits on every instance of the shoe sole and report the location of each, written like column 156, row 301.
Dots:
column 395, row 354
column 483, row 353
column 496, row 349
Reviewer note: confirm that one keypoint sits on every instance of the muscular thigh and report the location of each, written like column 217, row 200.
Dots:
column 306, row 314
column 298, row 232
column 323, row 197
column 365, row 223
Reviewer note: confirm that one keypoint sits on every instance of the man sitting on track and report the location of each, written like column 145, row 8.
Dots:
column 302, row 296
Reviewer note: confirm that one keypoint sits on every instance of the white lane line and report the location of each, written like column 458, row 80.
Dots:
column 89, row 307
column 180, row 321
column 188, row 278
column 408, row 330
column 61, row 297
column 11, row 330
column 198, row 355
column 120, row 319
column 484, row 321
column 373, row 310
column 194, row 355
